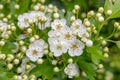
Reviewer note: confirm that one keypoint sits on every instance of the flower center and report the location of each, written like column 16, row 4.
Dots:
column 59, row 47
column 58, row 26
column 77, row 26
column 67, row 36
column 74, row 46
column 34, row 52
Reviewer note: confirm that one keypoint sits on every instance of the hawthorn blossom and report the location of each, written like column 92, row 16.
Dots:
column 36, row 50
column 71, row 70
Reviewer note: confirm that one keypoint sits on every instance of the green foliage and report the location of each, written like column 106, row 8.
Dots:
column 88, row 68
column 43, row 70
column 114, row 6
column 96, row 54
column 118, row 44
column 8, row 47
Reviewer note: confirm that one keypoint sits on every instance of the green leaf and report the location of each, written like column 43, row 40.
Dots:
column 47, row 72
column 96, row 54
column 68, row 15
column 118, row 44
column 88, row 68
column 114, row 6
column 6, row 75
column 8, row 47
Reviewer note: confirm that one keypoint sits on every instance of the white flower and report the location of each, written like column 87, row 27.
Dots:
column 76, row 48
column 36, row 50
column 3, row 28
column 58, row 24
column 80, row 29
column 58, row 46
column 67, row 33
column 76, row 25
column 55, row 34
column 71, row 70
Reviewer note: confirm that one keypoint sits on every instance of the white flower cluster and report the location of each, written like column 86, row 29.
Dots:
column 36, row 50
column 3, row 28
column 37, row 17
column 63, row 38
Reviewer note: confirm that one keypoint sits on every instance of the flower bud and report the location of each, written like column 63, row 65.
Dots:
column 56, row 69
column 9, row 66
column 109, row 12
column 76, row 7
column 72, row 18
column 101, row 9
column 89, row 43
column 106, row 49
column 100, row 19
column 40, row 61
column 87, row 23
column 70, row 60
column 56, row 15
column 32, row 39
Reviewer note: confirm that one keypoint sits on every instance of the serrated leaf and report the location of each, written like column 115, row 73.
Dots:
column 47, row 72
column 118, row 44
column 88, row 68
column 8, row 47
column 96, row 54
column 114, row 6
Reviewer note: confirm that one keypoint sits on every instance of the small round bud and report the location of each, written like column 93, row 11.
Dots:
column 106, row 49
column 1, row 6
column 19, row 77
column 15, row 77
column 13, row 28
column 2, row 56
column 109, row 12
column 51, row 54
column 90, row 14
column 63, row 10
column 10, row 56
column 36, row 7
column 83, row 15
column 50, row 6
column 88, row 29
column 95, row 31
column 106, row 55
column 89, row 43
column 6, row 36
column 100, row 66
column 5, row 19
column 118, row 27
column 25, row 77
column 2, row 43
column 32, row 39
column 17, row 6
column 46, row 51
column 23, row 49
column 29, row 30
column 116, row 24
column 19, row 70
column 42, row 1
column 101, row 9
column 98, row 14
column 40, row 61
column 72, row 18
column 27, row 66
column 56, row 15
column 56, row 69
column 9, row 16
column 100, row 19
column 36, row 37
column 16, row 61
column 9, row 66
column 42, row 8
column 21, row 42
column 104, row 42
column 87, row 23
column 1, row 29
column 73, row 11
column 76, row 7
column 70, row 60
column 45, row 46
column 54, row 62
